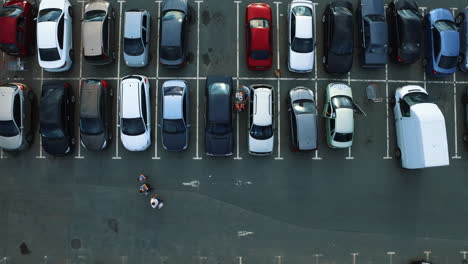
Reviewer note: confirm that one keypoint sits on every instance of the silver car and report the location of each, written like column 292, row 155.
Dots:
column 303, row 119
column 136, row 37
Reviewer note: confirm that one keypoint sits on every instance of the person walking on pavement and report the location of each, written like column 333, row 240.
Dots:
column 145, row 188
column 156, row 202
column 142, row 179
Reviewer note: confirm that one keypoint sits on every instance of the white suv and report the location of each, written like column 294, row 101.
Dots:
column 135, row 113
column 301, row 36
column 261, row 136
column 54, row 35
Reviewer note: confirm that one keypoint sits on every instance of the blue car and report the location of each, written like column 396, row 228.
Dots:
column 442, row 43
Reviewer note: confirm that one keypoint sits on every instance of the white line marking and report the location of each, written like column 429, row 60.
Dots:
column 316, row 157
column 317, row 256
column 455, row 115
column 124, row 259
column 427, row 253
column 240, row 259
column 1, row 154
column 197, row 157
column 194, row 184
column 41, row 156
column 78, row 141
column 464, row 254
column 117, row 98
column 350, row 157
column 387, row 113
column 279, row 259
column 156, row 101
column 390, row 255
column 354, row 257
column 278, row 81
column 237, row 81
column 244, row 233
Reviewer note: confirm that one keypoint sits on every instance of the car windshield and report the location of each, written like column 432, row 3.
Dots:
column 173, row 15
column 375, row 18
column 218, row 129
column 171, row 52
column 219, row 88
column 51, row 131
column 443, row 25
column 49, row 15
column 304, row 106
column 51, row 54
column 173, row 126
column 259, row 23
column 341, row 10
column 91, row 126
column 343, row 137
column 416, row 98
column 95, row 15
column 302, row 11
column 8, row 129
column 133, row 126
column 448, row 62
column 261, row 132
column 302, row 45
column 342, row 102
column 134, row 46
column 260, row 54
column 10, row 11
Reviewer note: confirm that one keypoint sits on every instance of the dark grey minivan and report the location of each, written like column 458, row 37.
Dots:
column 303, row 119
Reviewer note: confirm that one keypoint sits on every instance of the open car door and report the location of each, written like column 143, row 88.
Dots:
column 358, row 109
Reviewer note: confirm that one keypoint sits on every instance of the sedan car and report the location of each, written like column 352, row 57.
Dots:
column 261, row 136
column 303, row 119
column 56, row 118
column 404, row 31
column 442, row 43
column 136, row 37
column 95, row 114
column 338, row 38
column 258, row 23
column 97, row 33
column 465, row 113
column 54, row 35
column 301, row 40
column 373, row 33
column 172, row 43
column 15, row 116
column 175, row 115
column 219, row 129
column 135, row 113
column 462, row 23
column 18, row 28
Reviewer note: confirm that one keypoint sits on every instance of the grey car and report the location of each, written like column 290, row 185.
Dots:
column 373, row 33
column 303, row 119
column 136, row 37
column 462, row 22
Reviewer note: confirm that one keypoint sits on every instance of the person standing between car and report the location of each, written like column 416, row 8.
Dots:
column 145, row 188
column 156, row 202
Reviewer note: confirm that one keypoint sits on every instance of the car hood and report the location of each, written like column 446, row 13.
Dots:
column 11, row 143
column 93, row 142
column 261, row 146
column 55, row 147
column 216, row 145
column 174, row 141
column 136, row 143
column 301, row 61
column 8, row 30
column 307, row 137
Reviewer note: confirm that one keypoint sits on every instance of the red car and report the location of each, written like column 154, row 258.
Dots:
column 17, row 28
column 258, row 23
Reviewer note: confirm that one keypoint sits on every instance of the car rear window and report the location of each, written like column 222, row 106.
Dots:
column 302, row 11
column 416, row 98
column 10, row 11
column 304, row 106
column 260, row 54
column 91, row 126
column 51, row 54
column 133, row 47
column 301, row 45
column 51, row 131
column 261, row 132
column 259, row 23
column 173, row 126
column 343, row 137
column 95, row 15
column 49, row 15
column 342, row 102
column 8, row 129
column 171, row 52
column 448, row 62
column 133, row 126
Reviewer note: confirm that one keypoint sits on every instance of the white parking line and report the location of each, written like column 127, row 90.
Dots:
column 197, row 157
column 316, row 157
column 317, row 257
column 156, row 102
column 354, row 257
column 350, row 156
column 464, row 254
column 240, row 259
column 427, row 254
column 278, row 80
column 456, row 156
column 278, row 258
column 237, row 157
column 41, row 155
column 390, row 255
column 423, row 11
column 117, row 98
column 78, row 96
column 2, row 154
column 387, row 113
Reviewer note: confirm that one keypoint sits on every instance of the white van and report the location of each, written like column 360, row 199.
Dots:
column 420, row 129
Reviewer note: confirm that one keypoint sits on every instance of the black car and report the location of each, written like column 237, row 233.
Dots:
column 465, row 120
column 404, row 31
column 174, row 16
column 95, row 114
column 219, row 129
column 338, row 40
column 56, row 118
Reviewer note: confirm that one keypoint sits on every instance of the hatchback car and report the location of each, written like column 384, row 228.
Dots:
column 172, row 43
column 54, row 35
column 15, row 116
column 261, row 136
column 136, row 37
column 135, row 113
column 219, row 129
column 462, row 23
column 97, row 33
column 301, row 40
column 175, row 115
column 303, row 119
column 258, row 24
column 442, row 43
column 465, row 115
column 338, row 37
column 373, row 33
column 18, row 28
column 95, row 114
column 56, row 118
column 404, row 31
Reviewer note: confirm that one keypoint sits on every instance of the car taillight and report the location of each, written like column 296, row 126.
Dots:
column 146, row 80
column 182, row 63
column 81, row 83
column 66, row 85
column 399, row 59
column 434, row 72
column 104, row 83
column 21, row 87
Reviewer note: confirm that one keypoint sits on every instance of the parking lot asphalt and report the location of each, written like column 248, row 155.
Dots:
column 329, row 206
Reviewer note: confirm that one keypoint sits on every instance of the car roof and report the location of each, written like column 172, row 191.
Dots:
column 51, row 100
column 132, row 27
column 372, row 7
column 304, row 27
column 344, row 120
column 450, row 43
column 410, row 26
column 378, row 33
column 180, row 5
column 173, row 107
column 172, row 33
column 6, row 101
column 307, row 131
column 48, row 33
column 90, row 99
column 343, row 27
column 260, row 39
column 131, row 98
column 220, row 106
column 92, row 39
column 262, row 114
column 8, row 31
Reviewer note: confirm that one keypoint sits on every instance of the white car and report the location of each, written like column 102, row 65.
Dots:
column 301, row 36
column 261, row 136
column 54, row 35
column 135, row 112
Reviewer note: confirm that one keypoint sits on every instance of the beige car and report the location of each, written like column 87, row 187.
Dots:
column 97, row 33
